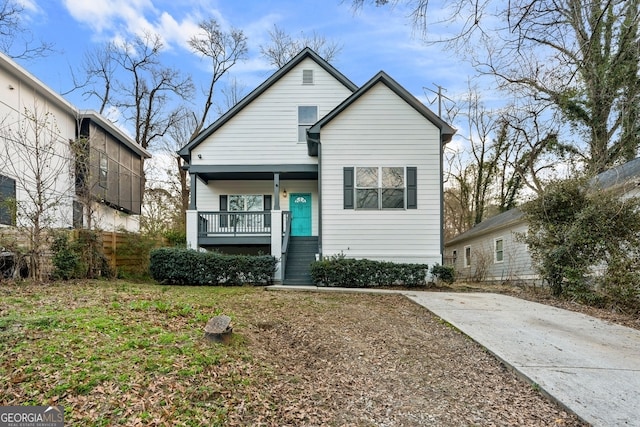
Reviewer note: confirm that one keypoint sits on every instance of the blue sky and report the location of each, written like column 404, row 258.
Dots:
column 372, row 39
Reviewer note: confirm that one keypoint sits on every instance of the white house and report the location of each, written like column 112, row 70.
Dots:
column 492, row 250
column 308, row 165
column 39, row 134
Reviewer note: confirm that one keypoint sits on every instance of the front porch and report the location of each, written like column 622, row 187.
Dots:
column 271, row 229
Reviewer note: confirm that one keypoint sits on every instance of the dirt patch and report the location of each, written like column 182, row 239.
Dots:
column 376, row 360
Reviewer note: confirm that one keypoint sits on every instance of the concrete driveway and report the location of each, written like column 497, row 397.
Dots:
column 590, row 366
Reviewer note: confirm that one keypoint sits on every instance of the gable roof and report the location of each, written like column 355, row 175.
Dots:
column 185, row 152
column 512, row 216
column 446, row 131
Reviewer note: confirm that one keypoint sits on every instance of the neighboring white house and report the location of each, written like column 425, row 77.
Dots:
column 492, row 251
column 33, row 117
column 309, row 165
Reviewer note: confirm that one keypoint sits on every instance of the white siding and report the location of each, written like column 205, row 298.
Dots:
column 517, row 264
column 381, row 129
column 19, row 103
column 266, row 130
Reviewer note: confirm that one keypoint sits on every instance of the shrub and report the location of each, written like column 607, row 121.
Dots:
column 574, row 228
column 180, row 266
column 66, row 261
column 444, row 273
column 80, row 257
column 364, row 273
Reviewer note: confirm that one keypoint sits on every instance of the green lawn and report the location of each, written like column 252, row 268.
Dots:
column 123, row 353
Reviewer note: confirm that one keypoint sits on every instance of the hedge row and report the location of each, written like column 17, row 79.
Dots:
column 364, row 273
column 178, row 266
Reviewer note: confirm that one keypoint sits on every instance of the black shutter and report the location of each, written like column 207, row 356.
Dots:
column 267, row 208
column 348, row 188
column 412, row 188
column 223, row 208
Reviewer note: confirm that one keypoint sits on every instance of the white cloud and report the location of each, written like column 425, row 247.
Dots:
column 106, row 15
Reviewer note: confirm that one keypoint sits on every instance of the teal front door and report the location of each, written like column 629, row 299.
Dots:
column 300, row 207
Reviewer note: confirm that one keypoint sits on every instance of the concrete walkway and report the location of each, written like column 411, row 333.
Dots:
column 589, row 366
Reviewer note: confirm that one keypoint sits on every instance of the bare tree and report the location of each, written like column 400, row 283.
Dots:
column 581, row 57
column 232, row 93
column 35, row 156
column 16, row 40
column 223, row 50
column 100, row 69
column 283, row 47
column 130, row 77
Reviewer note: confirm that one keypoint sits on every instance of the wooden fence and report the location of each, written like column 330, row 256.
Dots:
column 127, row 252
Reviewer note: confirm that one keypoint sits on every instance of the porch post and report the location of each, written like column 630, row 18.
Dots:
column 192, row 229
column 276, row 243
column 192, row 192
column 276, row 192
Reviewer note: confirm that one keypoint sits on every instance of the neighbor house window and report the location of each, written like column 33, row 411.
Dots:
column 467, row 256
column 499, row 250
column 379, row 187
column 7, row 200
column 103, row 171
column 307, row 116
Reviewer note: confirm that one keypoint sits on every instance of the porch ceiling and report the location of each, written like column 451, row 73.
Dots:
column 254, row 172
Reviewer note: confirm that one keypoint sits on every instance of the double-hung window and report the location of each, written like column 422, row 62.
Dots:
column 307, row 116
column 380, row 187
column 498, row 250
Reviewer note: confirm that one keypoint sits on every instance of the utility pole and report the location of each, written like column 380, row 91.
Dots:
column 439, row 97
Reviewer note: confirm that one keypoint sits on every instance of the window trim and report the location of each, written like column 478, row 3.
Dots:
column 305, row 125
column 380, row 188
column 495, row 250
column 467, row 256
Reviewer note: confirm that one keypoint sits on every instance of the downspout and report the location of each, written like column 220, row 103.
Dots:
column 319, row 200
column 317, row 142
column 442, row 200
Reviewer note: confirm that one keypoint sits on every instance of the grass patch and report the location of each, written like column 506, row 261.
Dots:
column 101, row 349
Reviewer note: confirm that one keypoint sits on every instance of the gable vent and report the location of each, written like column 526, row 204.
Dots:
column 307, row 77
